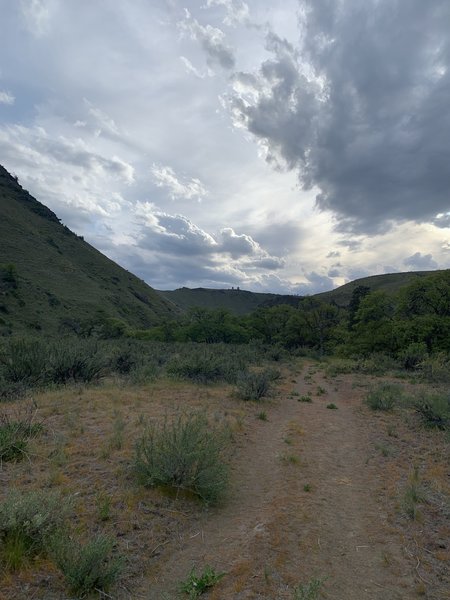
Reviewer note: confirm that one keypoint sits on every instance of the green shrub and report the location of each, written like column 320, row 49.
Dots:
column 27, row 523
column 14, row 435
column 89, row 567
column 384, row 396
column 434, row 408
column 253, row 385
column 332, row 406
column 436, row 368
column 38, row 362
column 412, row 356
column 201, row 367
column 75, row 361
column 24, row 361
column 341, row 366
column 196, row 585
column 184, row 453
column 305, row 398
column 10, row 391
column 308, row 591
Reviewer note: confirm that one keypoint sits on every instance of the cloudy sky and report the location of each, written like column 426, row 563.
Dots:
column 278, row 145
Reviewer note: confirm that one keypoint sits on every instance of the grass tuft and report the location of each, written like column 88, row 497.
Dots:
column 89, row 567
column 196, row 585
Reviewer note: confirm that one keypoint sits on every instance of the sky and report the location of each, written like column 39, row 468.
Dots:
column 283, row 146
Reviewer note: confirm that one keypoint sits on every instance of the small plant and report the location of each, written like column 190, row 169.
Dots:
column 307, row 487
column 116, row 440
column 413, row 494
column 253, row 385
column 392, row 430
column 295, row 393
column 434, row 409
column 290, row 459
column 15, row 432
column 262, row 416
column 196, row 585
column 305, row 399
column 27, row 522
column 332, row 406
column 383, row 449
column 185, row 453
column 104, row 507
column 308, row 591
column 384, row 396
column 321, row 391
column 87, row 567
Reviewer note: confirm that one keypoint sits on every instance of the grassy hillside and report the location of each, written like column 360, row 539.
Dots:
column 239, row 302
column 389, row 283
column 49, row 275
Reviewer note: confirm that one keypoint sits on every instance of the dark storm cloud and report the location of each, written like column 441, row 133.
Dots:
column 420, row 262
column 315, row 284
column 361, row 109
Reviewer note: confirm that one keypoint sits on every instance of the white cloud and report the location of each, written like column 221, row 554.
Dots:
column 37, row 15
column 6, row 98
column 178, row 187
column 237, row 11
column 211, row 39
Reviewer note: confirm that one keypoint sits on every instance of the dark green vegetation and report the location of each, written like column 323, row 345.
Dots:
column 52, row 280
column 408, row 328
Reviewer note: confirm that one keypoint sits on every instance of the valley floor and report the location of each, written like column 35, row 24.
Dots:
column 317, row 495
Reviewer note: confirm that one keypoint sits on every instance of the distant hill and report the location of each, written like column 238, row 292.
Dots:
column 49, row 275
column 242, row 302
column 239, row 302
column 389, row 283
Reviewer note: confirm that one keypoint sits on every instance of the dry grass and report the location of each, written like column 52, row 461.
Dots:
column 86, row 450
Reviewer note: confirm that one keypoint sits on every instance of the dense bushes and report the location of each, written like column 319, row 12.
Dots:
column 39, row 362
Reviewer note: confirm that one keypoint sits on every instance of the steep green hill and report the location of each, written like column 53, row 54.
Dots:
column 239, row 302
column 50, row 276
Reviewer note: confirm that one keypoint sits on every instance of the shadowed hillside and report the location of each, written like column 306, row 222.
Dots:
column 51, row 278
column 239, row 302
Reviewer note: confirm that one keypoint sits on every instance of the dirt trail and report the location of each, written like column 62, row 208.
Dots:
column 274, row 533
